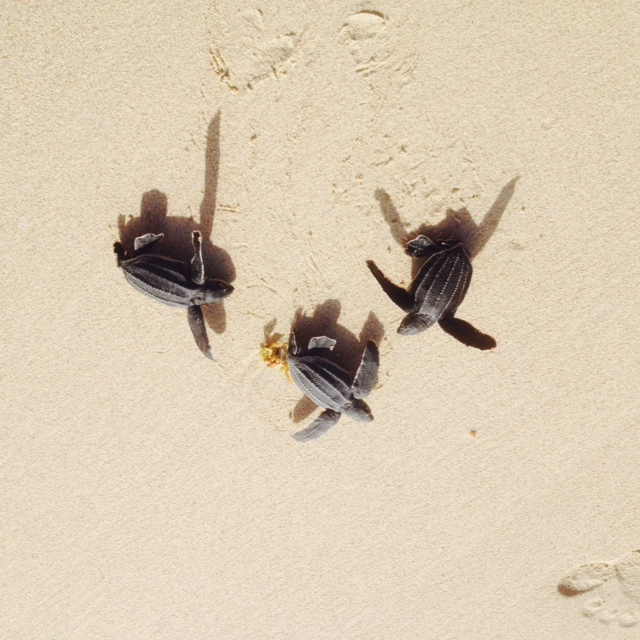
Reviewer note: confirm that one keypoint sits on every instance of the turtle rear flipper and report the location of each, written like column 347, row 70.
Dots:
column 199, row 330
column 318, row 427
column 414, row 323
column 358, row 410
column 367, row 371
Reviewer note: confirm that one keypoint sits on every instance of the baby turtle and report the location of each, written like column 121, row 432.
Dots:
column 437, row 290
column 330, row 386
column 173, row 282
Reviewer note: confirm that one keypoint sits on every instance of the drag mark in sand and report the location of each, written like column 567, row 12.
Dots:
column 615, row 586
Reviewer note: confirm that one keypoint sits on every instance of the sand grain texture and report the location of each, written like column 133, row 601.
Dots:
column 148, row 493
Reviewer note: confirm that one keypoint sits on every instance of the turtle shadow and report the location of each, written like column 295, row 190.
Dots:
column 178, row 230
column 457, row 225
column 349, row 347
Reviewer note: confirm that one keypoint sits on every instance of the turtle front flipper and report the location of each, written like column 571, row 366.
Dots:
column 197, row 265
column 318, row 427
column 398, row 295
column 367, row 371
column 199, row 330
column 146, row 241
column 321, row 342
column 466, row 333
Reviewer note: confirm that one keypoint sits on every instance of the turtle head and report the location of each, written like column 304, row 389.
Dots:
column 213, row 291
column 414, row 323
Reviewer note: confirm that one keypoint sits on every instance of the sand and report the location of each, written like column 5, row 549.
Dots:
column 149, row 493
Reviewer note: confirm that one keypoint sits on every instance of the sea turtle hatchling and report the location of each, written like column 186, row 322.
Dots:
column 438, row 288
column 174, row 282
column 330, row 386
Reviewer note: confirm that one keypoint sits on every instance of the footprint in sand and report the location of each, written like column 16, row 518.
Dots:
column 376, row 43
column 615, row 586
column 254, row 47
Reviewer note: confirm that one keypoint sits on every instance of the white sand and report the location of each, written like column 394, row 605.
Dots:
column 148, row 493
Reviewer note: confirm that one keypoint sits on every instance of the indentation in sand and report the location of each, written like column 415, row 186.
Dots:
column 253, row 51
column 374, row 46
column 616, row 587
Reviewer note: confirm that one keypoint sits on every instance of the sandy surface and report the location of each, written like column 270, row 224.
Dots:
column 148, row 493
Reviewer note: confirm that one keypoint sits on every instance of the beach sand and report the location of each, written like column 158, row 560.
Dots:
column 150, row 493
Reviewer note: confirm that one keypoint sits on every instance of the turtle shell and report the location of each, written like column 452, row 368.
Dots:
column 442, row 282
column 323, row 381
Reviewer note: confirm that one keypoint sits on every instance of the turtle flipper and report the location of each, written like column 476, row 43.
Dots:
column 420, row 247
column 146, row 241
column 398, row 295
column 197, row 266
column 466, row 333
column 318, row 427
column 367, row 371
column 414, row 323
column 199, row 330
column 358, row 410
column 321, row 342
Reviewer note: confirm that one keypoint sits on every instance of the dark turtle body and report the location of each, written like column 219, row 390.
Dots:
column 173, row 282
column 330, row 386
column 438, row 288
